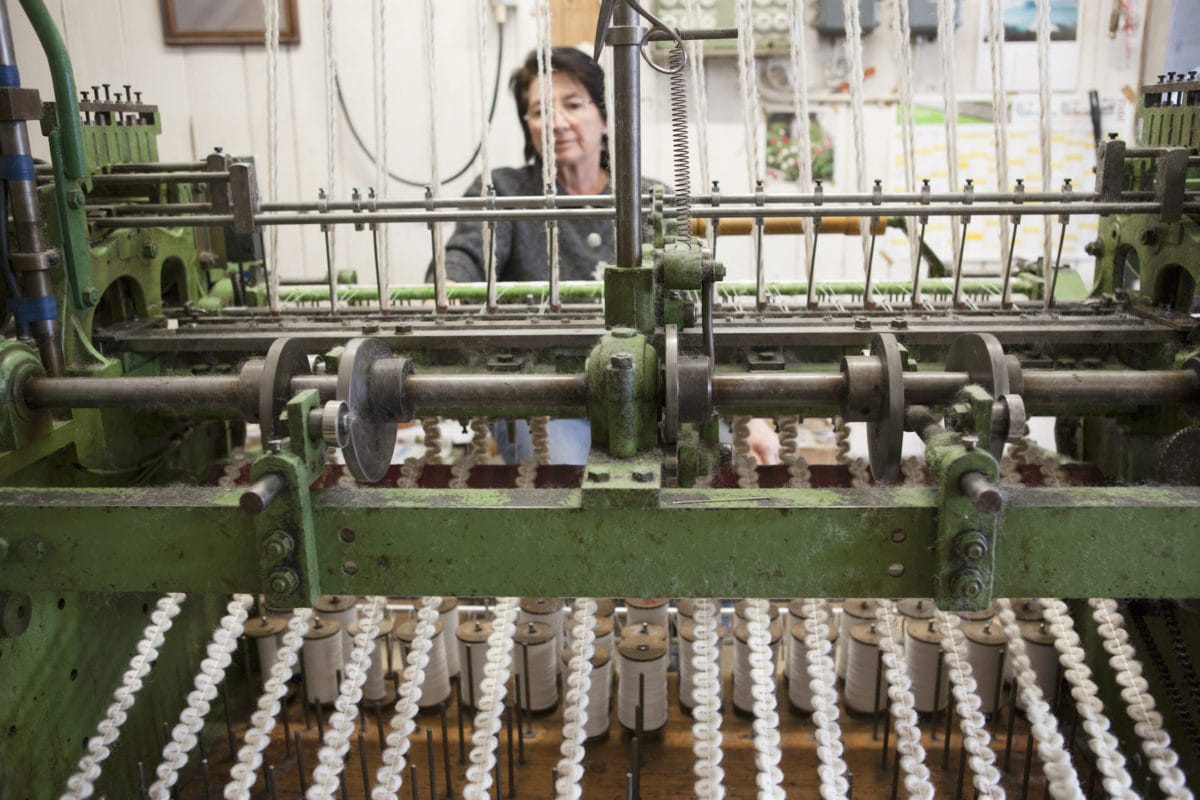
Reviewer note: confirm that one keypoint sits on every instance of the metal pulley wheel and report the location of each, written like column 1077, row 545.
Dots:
column 981, row 356
column 285, row 359
column 370, row 437
column 687, row 384
column 885, row 429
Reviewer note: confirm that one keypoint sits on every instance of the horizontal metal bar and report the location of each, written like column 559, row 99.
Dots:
column 1124, row 541
column 563, row 214
column 127, row 178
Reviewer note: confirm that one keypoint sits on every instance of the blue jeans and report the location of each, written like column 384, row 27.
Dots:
column 570, row 440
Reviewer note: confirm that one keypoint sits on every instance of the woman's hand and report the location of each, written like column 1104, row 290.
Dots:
column 764, row 441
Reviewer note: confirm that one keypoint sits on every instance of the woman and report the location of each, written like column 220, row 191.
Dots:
column 580, row 124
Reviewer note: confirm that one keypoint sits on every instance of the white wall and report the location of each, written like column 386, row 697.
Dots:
column 216, row 96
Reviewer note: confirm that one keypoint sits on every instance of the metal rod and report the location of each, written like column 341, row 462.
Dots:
column 949, row 725
column 937, row 682
column 446, row 751
column 412, row 781
column 254, row 500
column 362, row 762
column 982, row 493
column 1012, row 721
column 512, row 771
column 462, row 746
column 520, row 728
column 1005, row 292
column 999, row 681
column 432, row 764
column 134, row 178
column 1028, row 764
column 916, row 282
column 330, row 274
column 300, row 764
column 634, row 759
column 627, row 138
column 875, row 699
column 528, row 689
column 228, row 720
column 1062, row 237
column 958, row 263
column 378, row 269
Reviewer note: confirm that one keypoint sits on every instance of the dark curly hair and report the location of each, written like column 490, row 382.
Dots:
column 569, row 61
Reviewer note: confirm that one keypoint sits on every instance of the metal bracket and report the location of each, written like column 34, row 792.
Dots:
column 965, row 548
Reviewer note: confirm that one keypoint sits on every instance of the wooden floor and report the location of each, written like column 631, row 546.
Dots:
column 667, row 761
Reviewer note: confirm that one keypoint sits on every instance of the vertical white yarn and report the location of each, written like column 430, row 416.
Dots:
column 748, row 81
column 799, row 61
column 332, row 755
column 199, row 700
column 330, row 100
column 828, row 733
column 854, row 57
column 82, row 783
column 945, row 14
column 699, row 93
column 1044, row 130
column 271, row 40
column 262, row 721
column 975, row 737
column 485, row 739
column 575, row 714
column 482, row 15
column 706, row 694
column 767, row 751
column 545, row 49
column 390, row 775
column 1139, row 703
column 435, row 177
column 999, row 117
column 902, row 56
column 1061, row 775
column 1109, row 760
column 379, row 52
column 903, row 706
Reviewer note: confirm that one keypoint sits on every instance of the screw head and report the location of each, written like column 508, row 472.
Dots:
column 971, row 545
column 90, row 296
column 621, row 361
column 75, row 199
column 283, row 581
column 967, row 583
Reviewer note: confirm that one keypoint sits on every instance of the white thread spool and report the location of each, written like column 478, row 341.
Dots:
column 343, row 608
column 375, row 688
column 1043, row 657
column 923, row 653
column 687, row 669
column 448, row 616
column 655, row 610
column 605, row 607
column 642, row 656
column 436, row 688
column 855, row 611
column 684, row 609
column 862, row 670
column 982, row 614
column 472, row 637
column 283, row 615
column 988, row 653
column 322, row 655
column 599, row 695
column 645, row 629
column 265, row 631
column 743, row 681
column 603, row 632
column 548, row 611
column 916, row 610
column 798, row 680
column 536, row 666
column 795, row 613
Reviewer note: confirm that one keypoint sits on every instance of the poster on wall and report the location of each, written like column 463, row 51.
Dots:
column 784, row 149
column 1021, row 49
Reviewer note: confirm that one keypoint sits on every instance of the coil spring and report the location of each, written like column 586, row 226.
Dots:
column 579, row 678
column 743, row 460
column 433, row 439
column 539, row 433
column 679, row 141
column 479, row 439
column 410, row 473
column 841, row 432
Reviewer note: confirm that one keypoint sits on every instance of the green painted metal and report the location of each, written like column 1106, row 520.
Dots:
column 623, row 392
column 58, row 677
column 728, row 542
column 65, row 95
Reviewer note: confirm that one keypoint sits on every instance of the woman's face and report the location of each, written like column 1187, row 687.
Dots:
column 578, row 126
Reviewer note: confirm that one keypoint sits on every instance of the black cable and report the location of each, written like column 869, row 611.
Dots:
column 474, row 156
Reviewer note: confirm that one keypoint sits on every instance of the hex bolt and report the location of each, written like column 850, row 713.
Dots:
column 278, row 546
column 971, row 545
column 967, row 583
column 862, row 324
column 621, row 361
column 899, row 324
column 283, row 581
column 970, row 442
column 643, row 476
column 1094, row 248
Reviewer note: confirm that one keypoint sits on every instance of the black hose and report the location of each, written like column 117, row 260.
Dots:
column 10, row 278
column 474, row 156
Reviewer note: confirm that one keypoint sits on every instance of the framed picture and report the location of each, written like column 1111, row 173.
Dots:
column 191, row 22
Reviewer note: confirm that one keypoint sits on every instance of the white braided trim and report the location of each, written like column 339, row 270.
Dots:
column 485, row 738
column 579, row 682
column 903, row 706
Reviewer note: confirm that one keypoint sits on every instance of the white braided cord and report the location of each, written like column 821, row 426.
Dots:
column 706, row 693
column 903, row 706
column 390, row 775
column 832, row 767
column 199, row 700
column 485, row 739
column 975, row 737
column 579, row 682
column 82, row 784
column 262, row 721
column 767, row 750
